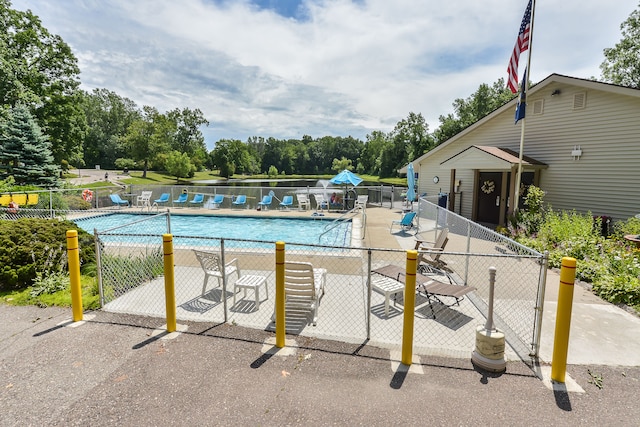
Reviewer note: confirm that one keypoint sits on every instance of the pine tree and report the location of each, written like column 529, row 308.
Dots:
column 25, row 152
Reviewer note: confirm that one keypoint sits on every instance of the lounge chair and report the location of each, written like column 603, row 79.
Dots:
column 116, row 200
column 303, row 289
column 212, row 266
column 216, row 201
column 144, row 199
column 197, row 199
column 321, row 202
column 265, row 202
column 406, row 223
column 182, row 199
column 164, row 198
column 287, row 202
column 361, row 202
column 429, row 261
column 239, row 200
column 303, row 201
column 431, row 289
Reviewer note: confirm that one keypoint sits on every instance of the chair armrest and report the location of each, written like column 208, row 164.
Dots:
column 233, row 261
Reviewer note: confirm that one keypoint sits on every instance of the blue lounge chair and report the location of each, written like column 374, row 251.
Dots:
column 164, row 198
column 182, row 199
column 115, row 198
column 287, row 202
column 406, row 223
column 197, row 199
column 240, row 200
column 265, row 202
column 216, row 201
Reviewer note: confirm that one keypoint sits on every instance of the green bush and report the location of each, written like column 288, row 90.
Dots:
column 29, row 246
column 611, row 264
column 619, row 289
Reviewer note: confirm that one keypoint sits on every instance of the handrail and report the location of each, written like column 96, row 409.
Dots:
column 338, row 221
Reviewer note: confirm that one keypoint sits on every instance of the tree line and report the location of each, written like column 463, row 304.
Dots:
column 47, row 123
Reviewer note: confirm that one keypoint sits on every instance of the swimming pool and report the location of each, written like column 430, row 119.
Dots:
column 271, row 229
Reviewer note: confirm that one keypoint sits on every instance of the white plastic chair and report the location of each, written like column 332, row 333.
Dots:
column 212, row 266
column 144, row 199
column 303, row 201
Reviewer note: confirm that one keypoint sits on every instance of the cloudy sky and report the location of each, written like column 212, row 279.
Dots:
column 286, row 68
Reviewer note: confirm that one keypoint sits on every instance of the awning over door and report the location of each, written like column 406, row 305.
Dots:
column 485, row 157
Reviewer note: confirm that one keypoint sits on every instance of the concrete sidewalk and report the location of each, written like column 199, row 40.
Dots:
column 118, row 370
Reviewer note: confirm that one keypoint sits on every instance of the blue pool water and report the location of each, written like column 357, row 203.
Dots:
column 289, row 230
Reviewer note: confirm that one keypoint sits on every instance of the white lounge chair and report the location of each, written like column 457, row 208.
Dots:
column 321, row 202
column 303, row 288
column 303, row 201
column 212, row 266
column 361, row 201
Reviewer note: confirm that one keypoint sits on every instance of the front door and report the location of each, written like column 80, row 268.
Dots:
column 488, row 197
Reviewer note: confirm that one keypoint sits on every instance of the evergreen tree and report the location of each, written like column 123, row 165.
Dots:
column 25, row 152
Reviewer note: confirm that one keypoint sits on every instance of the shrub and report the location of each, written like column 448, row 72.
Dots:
column 618, row 289
column 29, row 246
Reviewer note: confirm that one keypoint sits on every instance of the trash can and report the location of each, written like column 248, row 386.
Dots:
column 442, row 209
column 442, row 200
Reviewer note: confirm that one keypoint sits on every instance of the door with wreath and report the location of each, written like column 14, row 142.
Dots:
column 488, row 197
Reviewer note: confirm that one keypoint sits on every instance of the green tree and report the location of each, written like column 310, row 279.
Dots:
column 475, row 107
column 232, row 156
column 25, row 152
column 179, row 165
column 370, row 157
column 39, row 70
column 339, row 165
column 188, row 137
column 622, row 62
column 149, row 136
column 108, row 119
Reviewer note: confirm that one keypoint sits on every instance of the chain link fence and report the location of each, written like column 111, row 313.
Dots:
column 353, row 307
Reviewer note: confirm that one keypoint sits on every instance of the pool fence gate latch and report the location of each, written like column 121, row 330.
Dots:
column 490, row 343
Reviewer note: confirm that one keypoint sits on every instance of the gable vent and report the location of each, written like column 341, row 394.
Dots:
column 579, row 100
column 538, row 106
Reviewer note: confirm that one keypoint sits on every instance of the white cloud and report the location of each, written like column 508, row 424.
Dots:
column 346, row 68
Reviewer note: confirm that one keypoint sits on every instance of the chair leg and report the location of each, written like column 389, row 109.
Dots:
column 204, row 285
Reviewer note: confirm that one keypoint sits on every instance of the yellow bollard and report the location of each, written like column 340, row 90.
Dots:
column 169, row 282
column 409, row 307
column 73, row 253
column 280, row 314
column 563, row 319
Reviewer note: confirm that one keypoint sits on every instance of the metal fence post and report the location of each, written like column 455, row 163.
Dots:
column 280, row 314
column 96, row 240
column 369, row 294
column 542, row 284
column 224, row 281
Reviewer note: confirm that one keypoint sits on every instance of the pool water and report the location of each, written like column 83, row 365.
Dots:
column 289, row 230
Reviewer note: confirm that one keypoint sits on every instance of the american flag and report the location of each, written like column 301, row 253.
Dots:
column 522, row 44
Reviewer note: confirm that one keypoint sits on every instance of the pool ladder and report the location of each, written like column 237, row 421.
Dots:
column 345, row 217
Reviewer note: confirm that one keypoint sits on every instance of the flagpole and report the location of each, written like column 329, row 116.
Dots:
column 522, row 125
